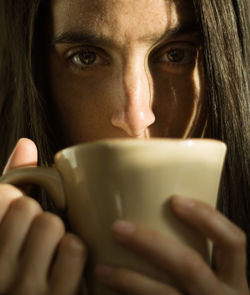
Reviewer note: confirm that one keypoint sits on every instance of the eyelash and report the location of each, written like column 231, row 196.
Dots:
column 189, row 52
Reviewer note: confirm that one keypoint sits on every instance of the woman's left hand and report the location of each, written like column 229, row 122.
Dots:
column 180, row 262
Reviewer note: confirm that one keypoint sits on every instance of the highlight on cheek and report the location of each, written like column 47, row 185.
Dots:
column 197, row 79
column 196, row 109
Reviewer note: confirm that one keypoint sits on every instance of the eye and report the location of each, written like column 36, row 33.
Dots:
column 178, row 56
column 175, row 55
column 86, row 58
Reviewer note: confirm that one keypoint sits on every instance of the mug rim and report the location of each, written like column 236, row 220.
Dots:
column 156, row 140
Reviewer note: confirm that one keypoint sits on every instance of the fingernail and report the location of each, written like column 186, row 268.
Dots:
column 103, row 270
column 123, row 228
column 183, row 202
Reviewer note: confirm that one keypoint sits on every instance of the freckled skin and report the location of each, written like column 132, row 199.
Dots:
column 128, row 93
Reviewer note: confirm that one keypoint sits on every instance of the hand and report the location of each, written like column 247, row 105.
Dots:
column 36, row 255
column 180, row 262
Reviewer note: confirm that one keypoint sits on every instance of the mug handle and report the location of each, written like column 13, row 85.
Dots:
column 49, row 178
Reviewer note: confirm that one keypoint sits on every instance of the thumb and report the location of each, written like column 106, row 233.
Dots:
column 24, row 154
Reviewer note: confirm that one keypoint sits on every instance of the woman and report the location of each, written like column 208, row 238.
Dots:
column 74, row 71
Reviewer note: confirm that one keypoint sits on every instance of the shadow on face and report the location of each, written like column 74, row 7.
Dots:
column 126, row 68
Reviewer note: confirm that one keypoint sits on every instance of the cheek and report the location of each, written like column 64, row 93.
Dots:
column 82, row 106
column 179, row 103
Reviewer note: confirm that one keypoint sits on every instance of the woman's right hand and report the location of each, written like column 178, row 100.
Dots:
column 37, row 257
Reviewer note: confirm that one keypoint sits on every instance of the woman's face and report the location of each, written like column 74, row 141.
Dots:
column 126, row 68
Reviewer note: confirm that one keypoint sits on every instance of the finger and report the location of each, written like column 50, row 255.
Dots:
column 40, row 246
column 68, row 267
column 24, row 154
column 182, row 263
column 13, row 231
column 8, row 193
column 229, row 240
column 16, row 223
column 130, row 282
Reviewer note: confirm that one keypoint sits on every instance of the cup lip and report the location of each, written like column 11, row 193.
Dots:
column 180, row 141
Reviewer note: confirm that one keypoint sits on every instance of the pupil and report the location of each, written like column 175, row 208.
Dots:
column 88, row 58
column 175, row 55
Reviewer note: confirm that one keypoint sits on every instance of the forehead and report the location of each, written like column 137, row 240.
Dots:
column 121, row 17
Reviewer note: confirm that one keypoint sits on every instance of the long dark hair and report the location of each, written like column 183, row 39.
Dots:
column 24, row 111
column 225, row 29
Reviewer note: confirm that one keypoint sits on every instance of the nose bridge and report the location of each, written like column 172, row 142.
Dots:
column 137, row 86
column 134, row 114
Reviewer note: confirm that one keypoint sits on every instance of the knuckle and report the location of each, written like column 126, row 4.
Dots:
column 27, row 205
column 73, row 244
column 194, row 264
column 28, row 286
column 9, row 191
column 120, row 277
column 49, row 221
column 5, row 276
column 163, row 290
column 239, row 240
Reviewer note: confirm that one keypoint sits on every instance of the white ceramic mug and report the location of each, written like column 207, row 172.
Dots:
column 97, row 183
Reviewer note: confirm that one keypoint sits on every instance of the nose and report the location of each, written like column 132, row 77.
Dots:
column 133, row 113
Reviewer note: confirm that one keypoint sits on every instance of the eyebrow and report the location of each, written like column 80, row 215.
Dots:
column 77, row 37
